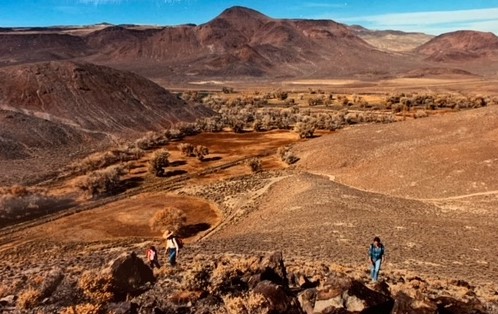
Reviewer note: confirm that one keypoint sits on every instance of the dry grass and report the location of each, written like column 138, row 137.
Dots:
column 86, row 308
column 29, row 298
column 250, row 303
column 97, row 287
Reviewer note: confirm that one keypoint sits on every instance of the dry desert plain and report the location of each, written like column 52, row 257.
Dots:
column 426, row 186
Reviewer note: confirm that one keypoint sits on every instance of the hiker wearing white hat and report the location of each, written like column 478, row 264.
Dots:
column 171, row 246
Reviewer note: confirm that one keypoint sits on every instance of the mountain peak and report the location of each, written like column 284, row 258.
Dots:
column 239, row 12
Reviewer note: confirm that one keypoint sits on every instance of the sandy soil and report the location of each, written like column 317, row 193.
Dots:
column 309, row 215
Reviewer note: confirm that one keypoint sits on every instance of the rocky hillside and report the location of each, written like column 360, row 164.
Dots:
column 243, row 43
column 460, row 46
column 391, row 40
column 97, row 279
column 52, row 111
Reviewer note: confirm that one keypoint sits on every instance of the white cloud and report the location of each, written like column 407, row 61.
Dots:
column 434, row 22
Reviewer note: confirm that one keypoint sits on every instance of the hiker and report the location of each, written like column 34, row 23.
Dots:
column 376, row 253
column 152, row 257
column 171, row 246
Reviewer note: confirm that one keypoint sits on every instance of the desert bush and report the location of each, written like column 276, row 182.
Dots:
column 97, row 287
column 211, row 124
column 102, row 182
column 170, row 218
column 250, row 303
column 158, row 161
column 29, row 298
column 105, row 159
column 286, row 155
column 86, row 308
column 197, row 276
column 187, row 129
column 237, row 125
column 187, row 149
column 255, row 164
column 19, row 201
column 304, row 129
column 227, row 90
column 201, row 152
column 151, row 140
column 421, row 114
column 257, row 125
column 315, row 101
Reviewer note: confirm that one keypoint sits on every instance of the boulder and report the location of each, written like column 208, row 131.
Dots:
column 447, row 305
column 280, row 299
column 122, row 308
column 339, row 294
column 307, row 300
column 8, row 300
column 129, row 273
column 274, row 269
column 51, row 282
column 404, row 304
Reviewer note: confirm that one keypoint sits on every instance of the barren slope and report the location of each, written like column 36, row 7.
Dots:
column 435, row 157
column 460, row 46
column 60, row 109
column 309, row 215
column 391, row 40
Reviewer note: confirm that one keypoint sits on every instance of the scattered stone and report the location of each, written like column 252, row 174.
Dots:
column 279, row 299
column 8, row 300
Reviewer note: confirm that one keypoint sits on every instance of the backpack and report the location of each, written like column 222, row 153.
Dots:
column 179, row 241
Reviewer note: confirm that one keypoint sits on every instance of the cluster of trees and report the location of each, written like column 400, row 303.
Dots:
column 406, row 102
column 189, row 150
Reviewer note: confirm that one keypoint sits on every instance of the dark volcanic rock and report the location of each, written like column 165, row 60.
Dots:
column 130, row 273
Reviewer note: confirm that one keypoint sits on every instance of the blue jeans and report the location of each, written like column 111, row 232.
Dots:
column 172, row 257
column 375, row 270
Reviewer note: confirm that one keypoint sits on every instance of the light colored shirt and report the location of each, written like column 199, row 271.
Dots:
column 172, row 244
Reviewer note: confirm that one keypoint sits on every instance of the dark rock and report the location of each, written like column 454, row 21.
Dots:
column 129, row 273
column 278, row 297
column 344, row 293
column 307, row 300
column 274, row 269
column 382, row 287
column 8, row 300
column 305, row 283
column 403, row 305
column 461, row 283
column 253, row 280
column 446, row 305
column 123, row 308
column 51, row 282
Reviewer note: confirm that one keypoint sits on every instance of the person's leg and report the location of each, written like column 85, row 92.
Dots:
column 376, row 270
column 172, row 257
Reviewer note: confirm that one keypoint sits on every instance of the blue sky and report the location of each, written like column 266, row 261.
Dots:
column 433, row 17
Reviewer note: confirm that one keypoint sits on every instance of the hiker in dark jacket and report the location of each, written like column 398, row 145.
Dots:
column 376, row 254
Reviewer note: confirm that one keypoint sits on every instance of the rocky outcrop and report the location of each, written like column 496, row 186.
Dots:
column 221, row 283
column 129, row 273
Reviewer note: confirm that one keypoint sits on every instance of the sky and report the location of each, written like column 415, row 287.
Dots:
column 431, row 17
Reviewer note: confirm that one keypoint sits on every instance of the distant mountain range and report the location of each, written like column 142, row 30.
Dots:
column 243, row 43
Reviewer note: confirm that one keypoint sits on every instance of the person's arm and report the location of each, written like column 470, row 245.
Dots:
column 176, row 246
column 370, row 255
